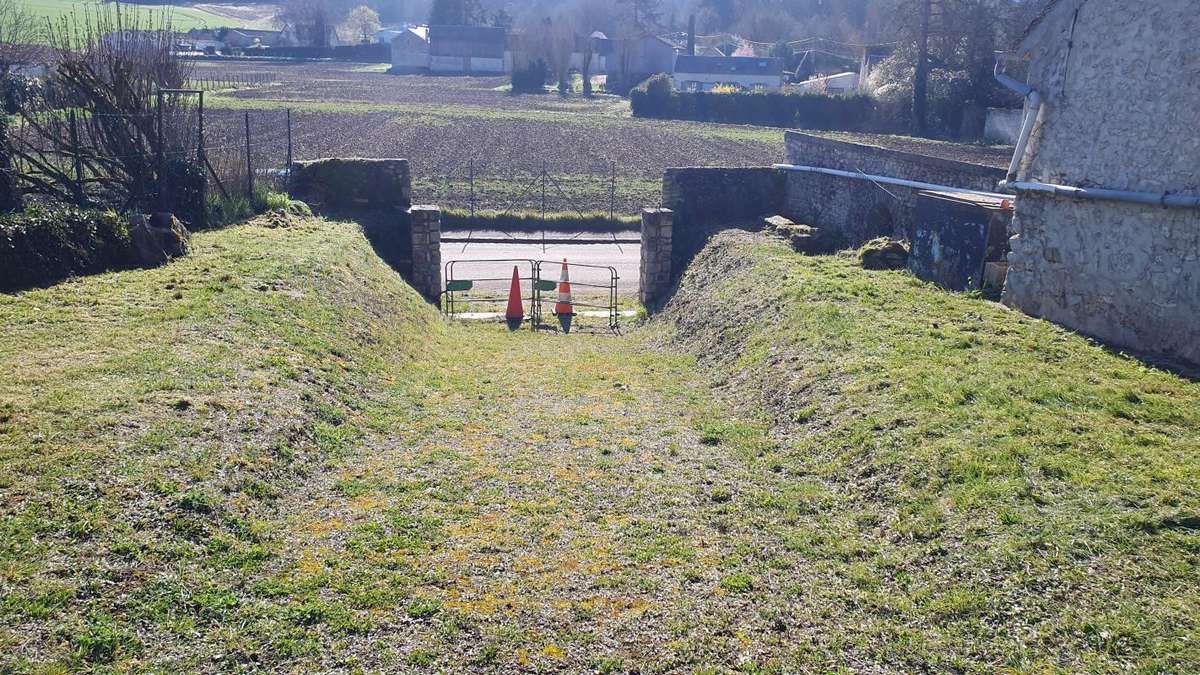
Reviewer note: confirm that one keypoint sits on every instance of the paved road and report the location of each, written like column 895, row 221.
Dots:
column 624, row 257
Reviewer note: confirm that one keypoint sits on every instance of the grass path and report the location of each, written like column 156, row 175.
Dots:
column 549, row 501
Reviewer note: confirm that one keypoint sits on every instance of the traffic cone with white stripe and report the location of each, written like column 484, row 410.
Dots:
column 515, row 313
column 564, row 309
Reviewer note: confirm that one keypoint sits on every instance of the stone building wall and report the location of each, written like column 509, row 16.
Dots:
column 1121, row 86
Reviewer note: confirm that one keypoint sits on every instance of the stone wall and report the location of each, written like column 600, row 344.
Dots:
column 1122, row 105
column 851, row 211
column 706, row 200
column 341, row 184
column 378, row 193
column 656, row 252
column 426, row 232
column 809, row 150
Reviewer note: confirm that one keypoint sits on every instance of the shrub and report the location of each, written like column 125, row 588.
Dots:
column 530, row 78
column 44, row 244
column 654, row 97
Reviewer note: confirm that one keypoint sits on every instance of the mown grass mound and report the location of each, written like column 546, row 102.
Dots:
column 1004, row 492
column 155, row 426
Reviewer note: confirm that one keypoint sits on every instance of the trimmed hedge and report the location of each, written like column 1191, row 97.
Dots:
column 41, row 245
column 657, row 98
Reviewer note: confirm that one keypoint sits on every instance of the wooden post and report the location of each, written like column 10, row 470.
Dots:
column 289, row 149
column 202, row 161
column 161, row 159
column 612, row 192
column 249, row 166
column 78, row 162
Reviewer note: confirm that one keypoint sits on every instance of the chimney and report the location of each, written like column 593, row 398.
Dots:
column 691, row 47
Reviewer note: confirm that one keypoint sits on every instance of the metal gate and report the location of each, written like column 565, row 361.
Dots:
column 473, row 291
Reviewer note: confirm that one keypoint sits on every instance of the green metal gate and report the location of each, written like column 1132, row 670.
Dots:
column 473, row 290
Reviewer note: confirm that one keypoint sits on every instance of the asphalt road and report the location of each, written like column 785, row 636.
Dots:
column 472, row 259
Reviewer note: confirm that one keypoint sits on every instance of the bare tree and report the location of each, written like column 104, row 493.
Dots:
column 312, row 20
column 560, row 46
column 363, row 23
column 20, row 35
column 95, row 137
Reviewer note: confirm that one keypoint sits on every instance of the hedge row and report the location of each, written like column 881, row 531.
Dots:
column 41, row 245
column 657, row 98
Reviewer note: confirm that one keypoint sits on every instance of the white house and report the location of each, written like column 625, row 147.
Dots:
column 410, row 50
column 702, row 73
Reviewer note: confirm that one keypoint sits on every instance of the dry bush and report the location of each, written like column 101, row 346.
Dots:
column 90, row 135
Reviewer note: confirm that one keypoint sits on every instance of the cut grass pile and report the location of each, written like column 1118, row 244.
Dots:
column 998, row 491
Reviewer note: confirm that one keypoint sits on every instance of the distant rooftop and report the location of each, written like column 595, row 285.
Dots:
column 728, row 65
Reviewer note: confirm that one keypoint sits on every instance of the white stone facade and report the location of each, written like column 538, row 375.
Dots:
column 1121, row 86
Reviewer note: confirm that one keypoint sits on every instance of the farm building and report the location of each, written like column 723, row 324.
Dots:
column 245, row 38
column 702, row 73
column 410, row 51
column 1107, row 224
column 468, row 49
column 628, row 61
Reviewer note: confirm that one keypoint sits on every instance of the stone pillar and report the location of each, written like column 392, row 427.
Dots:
column 656, row 255
column 426, row 225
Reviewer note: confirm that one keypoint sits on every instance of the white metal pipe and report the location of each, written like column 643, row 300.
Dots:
column 1033, row 109
column 888, row 180
column 1163, row 199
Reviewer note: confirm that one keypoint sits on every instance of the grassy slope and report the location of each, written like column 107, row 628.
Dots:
column 259, row 474
column 151, row 421
column 1002, row 492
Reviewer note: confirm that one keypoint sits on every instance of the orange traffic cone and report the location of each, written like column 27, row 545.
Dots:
column 515, row 313
column 564, row 309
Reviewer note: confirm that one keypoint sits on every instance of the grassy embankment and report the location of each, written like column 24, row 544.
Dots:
column 271, row 455
column 995, row 491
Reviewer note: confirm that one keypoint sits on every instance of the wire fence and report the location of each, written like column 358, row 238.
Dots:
column 209, row 160
column 254, row 156
column 169, row 158
column 582, row 189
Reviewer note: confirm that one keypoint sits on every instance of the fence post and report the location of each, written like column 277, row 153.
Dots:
column 472, row 169
column 162, row 192
column 203, row 163
column 78, row 161
column 249, row 166
column 543, row 193
column 612, row 192
column 289, row 158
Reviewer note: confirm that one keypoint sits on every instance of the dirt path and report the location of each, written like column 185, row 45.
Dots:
column 553, row 502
